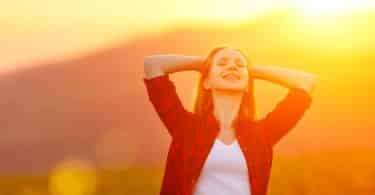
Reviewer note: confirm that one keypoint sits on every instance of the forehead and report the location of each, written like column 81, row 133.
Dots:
column 229, row 53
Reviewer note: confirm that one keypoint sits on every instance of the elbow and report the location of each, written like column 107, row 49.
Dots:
column 147, row 60
column 147, row 66
column 309, row 85
column 151, row 68
column 147, row 63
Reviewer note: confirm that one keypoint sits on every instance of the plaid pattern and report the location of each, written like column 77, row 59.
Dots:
column 193, row 137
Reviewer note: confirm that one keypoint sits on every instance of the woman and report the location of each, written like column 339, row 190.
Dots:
column 221, row 148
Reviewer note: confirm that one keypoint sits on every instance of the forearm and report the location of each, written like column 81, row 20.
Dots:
column 156, row 65
column 285, row 76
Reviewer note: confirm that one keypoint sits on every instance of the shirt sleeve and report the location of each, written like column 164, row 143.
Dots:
column 163, row 96
column 285, row 115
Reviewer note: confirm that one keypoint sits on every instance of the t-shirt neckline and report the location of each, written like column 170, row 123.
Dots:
column 226, row 145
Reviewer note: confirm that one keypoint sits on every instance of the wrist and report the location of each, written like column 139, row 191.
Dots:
column 199, row 63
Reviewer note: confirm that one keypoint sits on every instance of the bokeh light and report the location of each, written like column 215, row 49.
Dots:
column 73, row 177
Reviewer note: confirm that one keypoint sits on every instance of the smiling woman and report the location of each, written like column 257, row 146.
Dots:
column 223, row 118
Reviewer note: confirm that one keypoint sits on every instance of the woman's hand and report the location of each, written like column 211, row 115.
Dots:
column 285, row 76
column 156, row 65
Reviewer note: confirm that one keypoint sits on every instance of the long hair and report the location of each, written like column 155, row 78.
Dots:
column 203, row 103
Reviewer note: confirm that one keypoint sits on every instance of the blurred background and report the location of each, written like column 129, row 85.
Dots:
column 75, row 117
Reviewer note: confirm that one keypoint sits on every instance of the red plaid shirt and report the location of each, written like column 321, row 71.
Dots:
column 193, row 137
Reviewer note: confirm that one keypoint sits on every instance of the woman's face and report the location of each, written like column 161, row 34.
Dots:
column 229, row 71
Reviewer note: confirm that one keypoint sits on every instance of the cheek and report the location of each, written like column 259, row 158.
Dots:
column 215, row 75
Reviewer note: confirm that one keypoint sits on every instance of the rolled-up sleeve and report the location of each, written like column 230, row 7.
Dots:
column 163, row 96
column 285, row 115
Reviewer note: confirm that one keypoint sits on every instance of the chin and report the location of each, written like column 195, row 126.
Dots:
column 234, row 86
column 231, row 89
column 236, row 90
column 237, row 86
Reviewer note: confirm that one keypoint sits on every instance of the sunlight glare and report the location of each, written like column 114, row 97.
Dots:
column 331, row 7
column 232, row 11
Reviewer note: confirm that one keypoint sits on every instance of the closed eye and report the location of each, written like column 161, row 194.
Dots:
column 239, row 62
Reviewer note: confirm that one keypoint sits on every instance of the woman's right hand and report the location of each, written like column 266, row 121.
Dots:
column 156, row 65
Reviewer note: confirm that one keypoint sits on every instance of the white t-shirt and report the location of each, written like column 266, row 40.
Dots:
column 224, row 172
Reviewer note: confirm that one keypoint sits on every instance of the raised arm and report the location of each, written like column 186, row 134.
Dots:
column 162, row 91
column 284, row 76
column 292, row 107
column 157, row 65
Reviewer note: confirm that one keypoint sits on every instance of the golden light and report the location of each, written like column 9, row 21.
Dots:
column 233, row 10
column 331, row 7
column 329, row 26
column 73, row 177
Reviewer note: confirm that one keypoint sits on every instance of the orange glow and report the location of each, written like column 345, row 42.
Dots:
column 40, row 30
column 332, row 7
column 73, row 177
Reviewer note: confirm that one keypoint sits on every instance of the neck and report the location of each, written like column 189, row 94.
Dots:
column 226, row 106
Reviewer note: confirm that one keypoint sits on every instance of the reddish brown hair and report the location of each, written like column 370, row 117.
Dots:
column 203, row 104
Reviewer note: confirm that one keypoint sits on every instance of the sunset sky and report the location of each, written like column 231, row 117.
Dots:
column 333, row 39
column 38, row 30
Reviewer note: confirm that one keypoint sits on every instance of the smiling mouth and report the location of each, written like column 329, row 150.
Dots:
column 231, row 76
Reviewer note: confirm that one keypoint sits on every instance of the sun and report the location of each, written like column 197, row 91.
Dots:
column 234, row 10
column 331, row 7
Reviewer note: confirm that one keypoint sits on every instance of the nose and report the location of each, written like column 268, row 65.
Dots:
column 232, row 66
